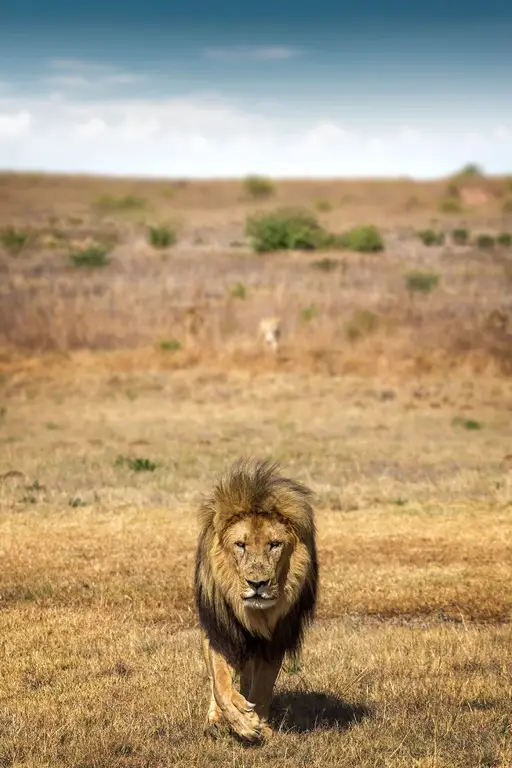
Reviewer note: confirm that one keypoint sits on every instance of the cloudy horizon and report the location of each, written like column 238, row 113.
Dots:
column 198, row 92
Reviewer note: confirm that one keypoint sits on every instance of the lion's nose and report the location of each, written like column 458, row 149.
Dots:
column 256, row 585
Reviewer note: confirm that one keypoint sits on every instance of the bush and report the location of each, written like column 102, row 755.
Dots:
column 259, row 187
column 170, row 345
column 421, row 282
column 430, row 237
column 362, row 323
column 324, row 206
column 504, row 239
column 364, row 239
column 293, row 229
column 238, row 291
column 308, row 313
column 136, row 464
column 13, row 239
column 470, row 424
column 507, row 206
column 95, row 256
column 471, row 170
column 460, row 236
column 485, row 242
column 161, row 237
column 449, row 205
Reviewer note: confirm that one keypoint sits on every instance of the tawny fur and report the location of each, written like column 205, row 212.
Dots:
column 254, row 499
column 270, row 331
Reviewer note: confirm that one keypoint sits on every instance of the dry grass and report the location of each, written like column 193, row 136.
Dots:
column 410, row 661
column 185, row 294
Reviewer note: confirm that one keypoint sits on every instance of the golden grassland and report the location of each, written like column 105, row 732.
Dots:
column 410, row 661
column 108, row 439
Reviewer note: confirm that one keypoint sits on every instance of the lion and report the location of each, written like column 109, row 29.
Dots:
column 269, row 330
column 256, row 580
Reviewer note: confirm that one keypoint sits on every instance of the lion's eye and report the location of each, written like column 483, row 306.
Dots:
column 240, row 544
column 274, row 544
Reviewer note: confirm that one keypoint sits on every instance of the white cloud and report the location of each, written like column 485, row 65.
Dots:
column 92, row 129
column 502, row 133
column 15, row 125
column 206, row 135
column 325, row 134
column 250, row 53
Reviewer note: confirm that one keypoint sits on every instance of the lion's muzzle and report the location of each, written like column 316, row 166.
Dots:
column 259, row 594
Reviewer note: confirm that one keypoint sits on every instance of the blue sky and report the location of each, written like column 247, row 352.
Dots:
column 228, row 88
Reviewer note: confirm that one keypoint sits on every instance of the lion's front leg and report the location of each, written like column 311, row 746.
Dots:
column 226, row 700
column 263, row 678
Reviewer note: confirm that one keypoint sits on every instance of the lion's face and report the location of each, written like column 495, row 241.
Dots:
column 260, row 548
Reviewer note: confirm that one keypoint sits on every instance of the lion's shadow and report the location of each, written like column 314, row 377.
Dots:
column 306, row 711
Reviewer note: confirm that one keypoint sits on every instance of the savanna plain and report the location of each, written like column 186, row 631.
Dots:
column 132, row 374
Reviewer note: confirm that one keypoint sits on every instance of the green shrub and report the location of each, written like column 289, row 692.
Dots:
column 95, row 256
column 308, row 313
column 460, row 236
column 504, row 239
column 421, row 282
column 169, row 345
column 136, row 464
column 449, row 205
column 294, row 229
column 259, row 187
column 362, row 323
column 364, row 239
column 507, row 206
column 238, row 291
column 471, row 170
column 430, row 237
column 485, row 242
column 13, row 239
column 161, row 237
column 323, row 206
column 469, row 424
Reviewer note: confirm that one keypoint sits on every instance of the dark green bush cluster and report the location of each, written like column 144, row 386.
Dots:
column 298, row 229
column 13, row 239
column 161, row 237
column 365, row 239
column 259, row 187
column 93, row 257
column 504, row 239
column 431, row 237
column 285, row 229
column 170, row 345
column 460, row 236
column 485, row 242
column 421, row 282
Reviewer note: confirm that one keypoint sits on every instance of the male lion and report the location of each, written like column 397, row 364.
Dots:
column 255, row 586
